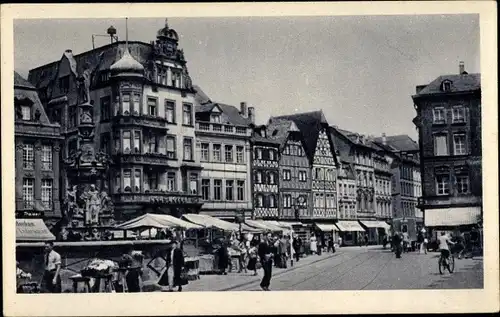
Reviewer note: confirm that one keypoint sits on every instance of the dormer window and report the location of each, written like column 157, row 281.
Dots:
column 215, row 118
column 26, row 113
column 446, row 86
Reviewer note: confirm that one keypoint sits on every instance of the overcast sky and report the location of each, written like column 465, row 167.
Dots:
column 360, row 70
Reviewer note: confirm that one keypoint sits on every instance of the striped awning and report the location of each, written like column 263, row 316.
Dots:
column 349, row 226
column 326, row 227
column 450, row 217
column 376, row 224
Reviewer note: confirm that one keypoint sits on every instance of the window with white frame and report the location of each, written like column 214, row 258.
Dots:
column 271, row 155
column 441, row 145
column 188, row 149
column 136, row 103
column 193, row 183
column 137, row 141
column 137, row 180
column 287, row 201
column 204, row 152
column 170, row 111
column 126, row 138
column 171, row 182
column 442, row 184
column 302, row 176
column 187, row 114
column 260, row 200
column 287, row 175
column 240, row 154
column 205, row 189
column 459, row 145
column 458, row 114
column 126, row 104
column 438, row 115
column 152, row 106
column 26, row 113
column 240, row 190
column 217, row 189
column 28, row 156
column 46, row 157
column 228, row 150
column 229, row 189
column 127, row 180
column 28, row 192
column 171, row 147
column 258, row 153
column 462, row 184
column 271, row 201
column 272, row 178
column 46, row 193
column 258, row 177
column 216, row 152
column 215, row 118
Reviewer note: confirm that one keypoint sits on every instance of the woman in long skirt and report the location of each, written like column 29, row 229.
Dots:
column 252, row 261
column 314, row 245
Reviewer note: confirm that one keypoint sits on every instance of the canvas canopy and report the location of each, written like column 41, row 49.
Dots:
column 32, row 230
column 452, row 217
column 264, row 225
column 376, row 224
column 156, row 221
column 211, row 222
column 349, row 226
column 326, row 227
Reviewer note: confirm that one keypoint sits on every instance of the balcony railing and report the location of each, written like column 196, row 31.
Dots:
column 148, row 121
column 158, row 197
column 136, row 157
column 221, row 128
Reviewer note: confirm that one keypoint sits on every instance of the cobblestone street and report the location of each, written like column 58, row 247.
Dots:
column 355, row 268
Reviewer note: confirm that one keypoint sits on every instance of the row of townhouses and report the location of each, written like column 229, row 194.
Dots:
column 127, row 121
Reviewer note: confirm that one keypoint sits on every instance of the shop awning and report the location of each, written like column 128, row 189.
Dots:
column 288, row 224
column 450, row 217
column 211, row 222
column 326, row 227
column 376, row 224
column 348, row 226
column 156, row 221
column 32, row 230
column 264, row 225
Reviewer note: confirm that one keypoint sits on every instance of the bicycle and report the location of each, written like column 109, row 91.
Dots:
column 443, row 263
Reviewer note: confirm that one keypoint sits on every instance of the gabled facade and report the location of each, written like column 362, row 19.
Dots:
column 224, row 145
column 37, row 156
column 449, row 124
column 142, row 109
column 294, row 170
column 266, row 175
column 320, row 151
column 347, row 191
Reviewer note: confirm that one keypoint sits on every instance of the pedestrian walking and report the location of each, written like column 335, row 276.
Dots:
column 266, row 259
column 172, row 277
column 283, row 252
column 384, row 241
column 252, row 259
column 243, row 255
column 397, row 242
column 223, row 256
column 340, row 241
column 314, row 245
column 331, row 246
column 420, row 241
column 297, row 244
column 366, row 239
column 51, row 280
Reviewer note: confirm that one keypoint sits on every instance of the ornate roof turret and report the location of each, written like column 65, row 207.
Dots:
column 167, row 33
column 127, row 65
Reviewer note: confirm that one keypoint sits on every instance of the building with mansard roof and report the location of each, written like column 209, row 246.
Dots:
column 449, row 126
column 223, row 134
column 37, row 156
column 143, row 115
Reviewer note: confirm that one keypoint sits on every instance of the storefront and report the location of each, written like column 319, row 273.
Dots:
column 325, row 231
column 350, row 232
column 376, row 230
column 32, row 230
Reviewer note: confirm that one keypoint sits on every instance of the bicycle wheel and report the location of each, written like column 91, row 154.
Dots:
column 451, row 263
column 440, row 264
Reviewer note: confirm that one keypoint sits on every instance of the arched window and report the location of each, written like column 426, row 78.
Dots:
column 258, row 177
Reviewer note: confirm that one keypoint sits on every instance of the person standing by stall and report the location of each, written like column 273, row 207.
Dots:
column 223, row 256
column 266, row 259
column 51, row 280
column 297, row 244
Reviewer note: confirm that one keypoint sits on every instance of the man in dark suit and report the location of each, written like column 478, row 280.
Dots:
column 266, row 259
column 297, row 244
column 175, row 264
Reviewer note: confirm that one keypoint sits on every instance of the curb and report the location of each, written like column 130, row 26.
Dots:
column 278, row 274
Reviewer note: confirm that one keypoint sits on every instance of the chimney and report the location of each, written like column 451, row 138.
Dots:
column 251, row 114
column 244, row 109
column 68, row 51
column 384, row 139
column 461, row 68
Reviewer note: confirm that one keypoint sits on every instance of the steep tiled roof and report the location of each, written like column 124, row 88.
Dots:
column 278, row 130
column 20, row 82
column 310, row 124
column 104, row 56
column 400, row 142
column 354, row 137
column 200, row 96
column 233, row 114
column 459, row 83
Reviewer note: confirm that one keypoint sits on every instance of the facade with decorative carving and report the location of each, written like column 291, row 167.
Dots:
column 449, row 125
column 131, row 104
column 37, row 156
column 266, row 175
column 223, row 145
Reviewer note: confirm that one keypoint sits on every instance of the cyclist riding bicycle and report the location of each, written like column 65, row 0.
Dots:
column 444, row 240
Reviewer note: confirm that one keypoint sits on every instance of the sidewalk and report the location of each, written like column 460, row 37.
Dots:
column 211, row 283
